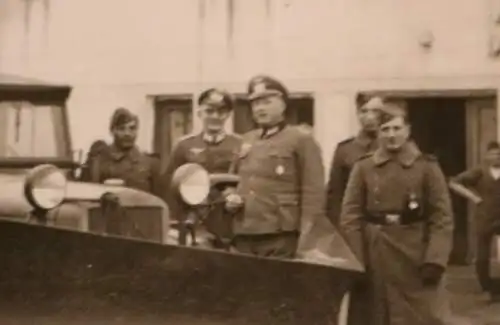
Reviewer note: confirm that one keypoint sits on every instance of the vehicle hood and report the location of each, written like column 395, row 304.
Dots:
column 13, row 202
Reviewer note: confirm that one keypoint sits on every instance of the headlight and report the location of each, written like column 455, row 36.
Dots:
column 45, row 187
column 192, row 182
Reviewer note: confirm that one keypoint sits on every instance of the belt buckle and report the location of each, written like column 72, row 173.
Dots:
column 393, row 219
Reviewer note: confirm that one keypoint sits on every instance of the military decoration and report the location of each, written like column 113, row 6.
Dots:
column 280, row 170
column 216, row 97
column 413, row 202
column 259, row 88
column 194, row 153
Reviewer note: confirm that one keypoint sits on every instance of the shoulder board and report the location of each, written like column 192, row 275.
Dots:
column 365, row 156
column 429, row 157
column 152, row 154
column 235, row 135
column 303, row 129
column 252, row 133
column 348, row 140
column 187, row 136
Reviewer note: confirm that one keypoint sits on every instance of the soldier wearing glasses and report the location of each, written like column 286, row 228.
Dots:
column 400, row 197
column 213, row 148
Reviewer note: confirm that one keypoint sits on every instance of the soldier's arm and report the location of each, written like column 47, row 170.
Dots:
column 335, row 187
column 176, row 159
column 464, row 183
column 312, row 179
column 440, row 216
column 352, row 210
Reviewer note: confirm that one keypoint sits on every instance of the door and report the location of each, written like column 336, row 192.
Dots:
column 173, row 119
column 439, row 128
column 482, row 128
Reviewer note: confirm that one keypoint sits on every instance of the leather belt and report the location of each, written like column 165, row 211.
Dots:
column 387, row 219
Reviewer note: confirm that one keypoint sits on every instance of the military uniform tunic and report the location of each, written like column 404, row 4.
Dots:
column 344, row 157
column 282, row 182
column 383, row 186
column 138, row 170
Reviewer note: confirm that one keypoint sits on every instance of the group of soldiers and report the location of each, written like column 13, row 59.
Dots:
column 387, row 199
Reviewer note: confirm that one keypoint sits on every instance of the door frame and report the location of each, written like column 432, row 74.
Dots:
column 161, row 103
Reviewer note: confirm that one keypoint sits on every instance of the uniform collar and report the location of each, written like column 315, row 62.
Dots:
column 118, row 154
column 408, row 154
column 213, row 138
column 269, row 132
column 364, row 140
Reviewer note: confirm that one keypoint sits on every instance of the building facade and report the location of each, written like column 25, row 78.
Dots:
column 154, row 57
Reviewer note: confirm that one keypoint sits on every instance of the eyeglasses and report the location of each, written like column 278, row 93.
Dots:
column 220, row 111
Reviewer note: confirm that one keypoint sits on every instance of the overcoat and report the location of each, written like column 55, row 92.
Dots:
column 381, row 185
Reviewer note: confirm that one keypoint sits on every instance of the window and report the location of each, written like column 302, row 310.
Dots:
column 173, row 119
column 28, row 130
column 300, row 110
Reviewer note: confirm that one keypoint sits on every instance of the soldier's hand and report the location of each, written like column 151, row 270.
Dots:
column 233, row 202
column 228, row 191
column 477, row 200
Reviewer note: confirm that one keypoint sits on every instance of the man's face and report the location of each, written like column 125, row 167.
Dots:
column 213, row 118
column 125, row 135
column 368, row 118
column 268, row 110
column 394, row 134
column 493, row 157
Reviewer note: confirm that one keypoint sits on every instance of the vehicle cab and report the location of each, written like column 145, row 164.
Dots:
column 38, row 175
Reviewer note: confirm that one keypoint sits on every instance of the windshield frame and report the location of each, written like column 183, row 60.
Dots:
column 58, row 114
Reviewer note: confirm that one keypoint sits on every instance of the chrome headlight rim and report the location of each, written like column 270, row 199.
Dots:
column 35, row 189
column 192, row 183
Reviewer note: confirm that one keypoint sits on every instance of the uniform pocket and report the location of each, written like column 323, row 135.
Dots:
column 260, row 208
column 289, row 210
column 281, row 163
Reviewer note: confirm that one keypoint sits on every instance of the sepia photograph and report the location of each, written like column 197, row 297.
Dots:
column 249, row 162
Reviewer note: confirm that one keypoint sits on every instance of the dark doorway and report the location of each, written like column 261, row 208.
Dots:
column 173, row 119
column 439, row 128
column 300, row 110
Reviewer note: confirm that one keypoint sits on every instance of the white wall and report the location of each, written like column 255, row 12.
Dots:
column 117, row 52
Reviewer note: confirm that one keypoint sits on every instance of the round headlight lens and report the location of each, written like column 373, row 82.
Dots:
column 192, row 182
column 45, row 187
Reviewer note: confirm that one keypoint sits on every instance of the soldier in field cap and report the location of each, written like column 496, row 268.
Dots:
column 124, row 161
column 350, row 150
column 213, row 147
column 399, row 197
column 281, row 189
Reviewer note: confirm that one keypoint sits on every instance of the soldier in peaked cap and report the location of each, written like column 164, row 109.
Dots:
column 281, row 187
column 400, row 197
column 213, row 148
column 123, row 159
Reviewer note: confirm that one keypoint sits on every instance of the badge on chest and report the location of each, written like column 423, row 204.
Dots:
column 279, row 170
column 195, row 154
column 413, row 204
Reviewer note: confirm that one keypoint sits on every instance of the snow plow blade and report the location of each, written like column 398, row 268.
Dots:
column 55, row 276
